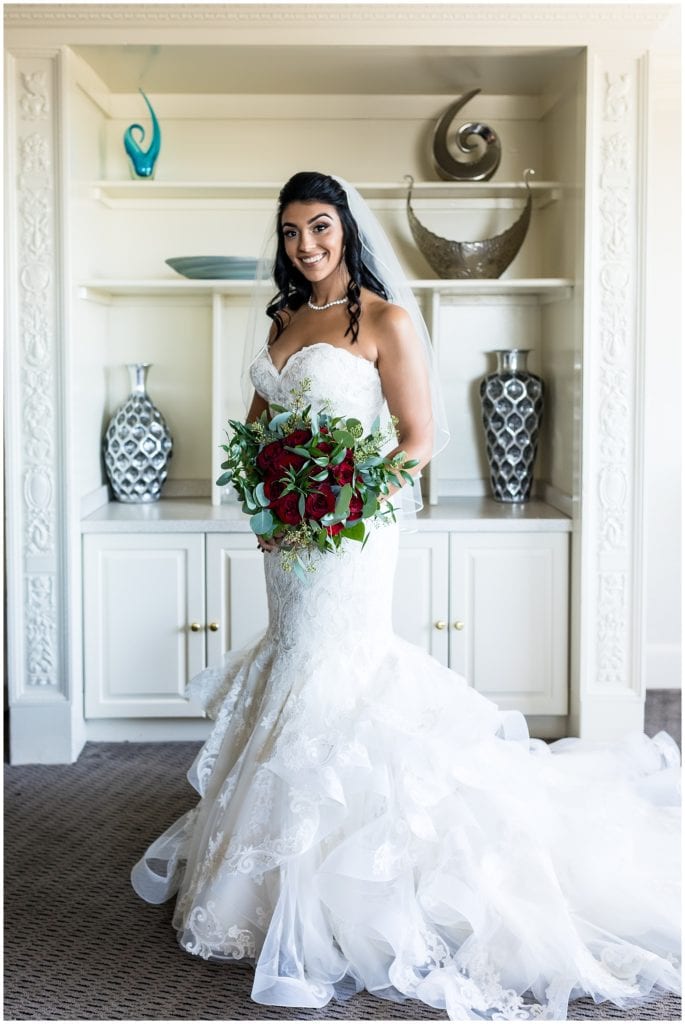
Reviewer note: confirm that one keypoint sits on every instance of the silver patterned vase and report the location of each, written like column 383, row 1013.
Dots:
column 137, row 444
column 511, row 403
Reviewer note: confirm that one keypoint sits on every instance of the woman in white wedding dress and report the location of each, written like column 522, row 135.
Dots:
column 367, row 820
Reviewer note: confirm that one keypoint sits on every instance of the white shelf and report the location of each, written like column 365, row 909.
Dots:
column 550, row 288
column 109, row 287
column 190, row 515
column 146, row 192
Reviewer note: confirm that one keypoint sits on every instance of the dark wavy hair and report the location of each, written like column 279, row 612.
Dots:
column 293, row 288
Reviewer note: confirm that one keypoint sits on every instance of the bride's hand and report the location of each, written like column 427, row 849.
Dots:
column 266, row 545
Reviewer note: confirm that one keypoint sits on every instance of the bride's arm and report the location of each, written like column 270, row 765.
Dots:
column 405, row 384
column 257, row 406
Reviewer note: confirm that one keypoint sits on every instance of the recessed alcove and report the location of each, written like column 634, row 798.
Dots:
column 246, row 96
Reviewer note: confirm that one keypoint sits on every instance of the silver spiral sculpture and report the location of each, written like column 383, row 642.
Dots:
column 449, row 167
column 489, row 257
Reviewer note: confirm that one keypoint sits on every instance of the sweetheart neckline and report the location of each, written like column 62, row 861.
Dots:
column 315, row 344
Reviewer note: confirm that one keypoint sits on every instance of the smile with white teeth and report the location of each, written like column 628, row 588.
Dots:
column 312, row 259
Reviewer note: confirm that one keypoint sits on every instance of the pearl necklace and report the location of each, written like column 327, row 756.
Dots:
column 326, row 305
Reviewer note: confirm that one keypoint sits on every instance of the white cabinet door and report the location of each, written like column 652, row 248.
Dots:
column 509, row 618
column 236, row 593
column 420, row 600
column 142, row 592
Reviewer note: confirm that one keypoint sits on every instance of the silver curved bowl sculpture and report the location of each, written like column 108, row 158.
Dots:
column 449, row 167
column 489, row 257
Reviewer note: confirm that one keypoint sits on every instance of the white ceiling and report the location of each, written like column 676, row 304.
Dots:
column 382, row 70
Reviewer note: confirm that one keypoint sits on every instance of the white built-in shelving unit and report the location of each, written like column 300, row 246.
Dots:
column 569, row 94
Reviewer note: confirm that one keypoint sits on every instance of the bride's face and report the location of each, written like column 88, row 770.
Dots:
column 313, row 238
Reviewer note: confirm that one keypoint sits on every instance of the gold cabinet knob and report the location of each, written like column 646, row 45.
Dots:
column 440, row 624
column 195, row 627
column 458, row 624
column 214, row 626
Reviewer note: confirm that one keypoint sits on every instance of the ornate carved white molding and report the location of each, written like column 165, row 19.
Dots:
column 611, row 362
column 33, row 492
column 20, row 15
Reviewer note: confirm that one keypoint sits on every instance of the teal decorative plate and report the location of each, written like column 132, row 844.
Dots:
column 214, row 267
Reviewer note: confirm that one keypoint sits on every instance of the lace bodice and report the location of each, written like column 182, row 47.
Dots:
column 348, row 383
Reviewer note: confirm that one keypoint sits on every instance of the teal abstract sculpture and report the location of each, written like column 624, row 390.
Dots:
column 143, row 161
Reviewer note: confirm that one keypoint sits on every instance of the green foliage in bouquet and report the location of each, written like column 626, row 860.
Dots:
column 311, row 479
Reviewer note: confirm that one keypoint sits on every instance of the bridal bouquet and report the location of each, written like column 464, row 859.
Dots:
column 311, row 479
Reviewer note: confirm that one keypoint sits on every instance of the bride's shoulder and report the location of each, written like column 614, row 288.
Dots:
column 384, row 314
column 391, row 324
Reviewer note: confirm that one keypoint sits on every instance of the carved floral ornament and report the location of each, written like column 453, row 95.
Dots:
column 41, row 632
column 34, row 154
column 34, row 333
column 34, row 104
column 611, row 629
column 615, row 480
column 37, row 281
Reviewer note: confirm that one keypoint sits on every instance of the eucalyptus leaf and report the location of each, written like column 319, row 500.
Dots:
column 355, row 532
column 252, row 505
column 299, row 570
column 301, row 505
column 224, row 479
column 343, row 437
column 370, row 507
column 298, row 451
column 407, row 476
column 278, row 420
column 342, row 504
column 262, row 523
column 318, row 477
column 338, row 456
column 260, row 496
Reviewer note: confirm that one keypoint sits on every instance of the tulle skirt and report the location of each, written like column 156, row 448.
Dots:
column 368, row 821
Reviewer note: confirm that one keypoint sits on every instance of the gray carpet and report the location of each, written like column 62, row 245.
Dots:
column 80, row 945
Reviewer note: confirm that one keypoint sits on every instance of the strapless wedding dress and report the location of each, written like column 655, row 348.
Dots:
column 368, row 820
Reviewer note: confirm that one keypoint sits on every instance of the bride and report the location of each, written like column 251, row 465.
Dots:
column 366, row 819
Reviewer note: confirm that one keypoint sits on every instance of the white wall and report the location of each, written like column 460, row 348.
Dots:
column 663, row 341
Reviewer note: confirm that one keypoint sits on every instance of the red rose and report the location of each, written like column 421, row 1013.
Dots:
column 356, row 506
column 335, row 528
column 324, row 446
column 274, row 460
column 286, row 508
column 320, row 502
column 297, row 438
column 267, row 458
column 273, row 489
column 284, row 460
column 344, row 472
